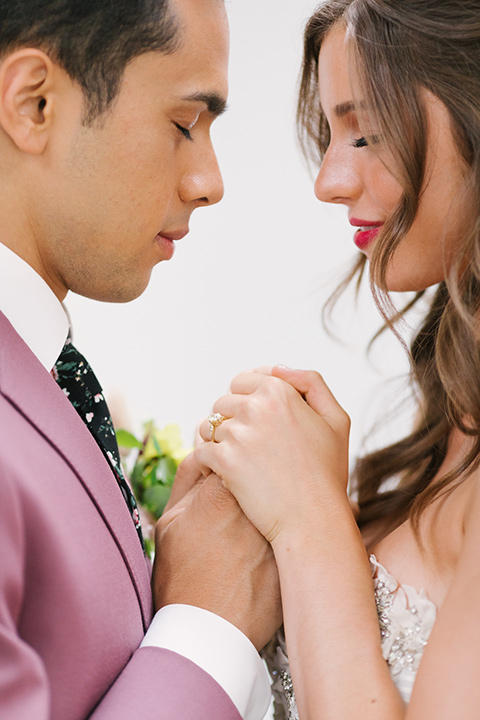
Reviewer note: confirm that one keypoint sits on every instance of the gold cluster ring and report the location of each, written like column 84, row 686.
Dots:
column 215, row 421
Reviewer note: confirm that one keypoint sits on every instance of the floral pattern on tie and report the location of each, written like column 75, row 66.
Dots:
column 79, row 383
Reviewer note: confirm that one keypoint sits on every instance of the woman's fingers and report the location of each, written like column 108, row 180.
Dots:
column 317, row 394
column 280, row 456
column 309, row 384
column 263, row 370
column 206, row 458
column 248, row 382
column 210, row 428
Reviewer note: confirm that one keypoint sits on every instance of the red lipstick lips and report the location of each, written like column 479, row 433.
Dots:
column 366, row 233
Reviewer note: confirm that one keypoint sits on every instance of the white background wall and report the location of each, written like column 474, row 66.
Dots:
column 247, row 285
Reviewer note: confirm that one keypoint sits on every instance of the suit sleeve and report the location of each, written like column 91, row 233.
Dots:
column 156, row 683
column 24, row 691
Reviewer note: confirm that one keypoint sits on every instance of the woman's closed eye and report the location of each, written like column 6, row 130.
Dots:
column 364, row 142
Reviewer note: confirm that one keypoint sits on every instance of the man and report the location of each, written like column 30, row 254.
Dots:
column 105, row 112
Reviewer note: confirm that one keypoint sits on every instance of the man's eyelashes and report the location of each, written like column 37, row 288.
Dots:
column 185, row 131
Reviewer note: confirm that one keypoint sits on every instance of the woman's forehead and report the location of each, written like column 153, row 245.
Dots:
column 334, row 80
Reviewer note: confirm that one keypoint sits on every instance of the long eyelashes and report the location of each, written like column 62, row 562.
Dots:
column 363, row 142
column 360, row 143
column 185, row 132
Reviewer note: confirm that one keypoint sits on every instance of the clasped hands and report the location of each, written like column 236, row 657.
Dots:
column 279, row 457
column 282, row 450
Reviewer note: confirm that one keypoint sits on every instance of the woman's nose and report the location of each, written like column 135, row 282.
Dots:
column 338, row 180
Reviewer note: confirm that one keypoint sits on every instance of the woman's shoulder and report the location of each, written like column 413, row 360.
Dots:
column 427, row 556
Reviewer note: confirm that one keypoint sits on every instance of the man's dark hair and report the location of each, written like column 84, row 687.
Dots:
column 92, row 40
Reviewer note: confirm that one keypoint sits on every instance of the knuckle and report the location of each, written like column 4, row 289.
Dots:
column 203, row 429
column 216, row 490
column 242, row 404
column 161, row 525
column 249, row 408
column 314, row 377
column 236, row 381
column 226, row 461
column 218, row 405
column 276, row 385
column 198, row 454
column 273, row 392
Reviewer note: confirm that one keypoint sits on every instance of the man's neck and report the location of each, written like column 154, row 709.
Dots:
column 28, row 251
column 31, row 307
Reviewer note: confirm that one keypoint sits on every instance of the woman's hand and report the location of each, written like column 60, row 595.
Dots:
column 282, row 449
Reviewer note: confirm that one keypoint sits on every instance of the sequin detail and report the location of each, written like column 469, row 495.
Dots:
column 275, row 655
column 406, row 618
column 287, row 683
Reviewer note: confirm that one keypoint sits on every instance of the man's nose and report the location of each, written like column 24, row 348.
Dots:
column 203, row 183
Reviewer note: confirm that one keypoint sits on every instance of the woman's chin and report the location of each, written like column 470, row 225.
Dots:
column 409, row 281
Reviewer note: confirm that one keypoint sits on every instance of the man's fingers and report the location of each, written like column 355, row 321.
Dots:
column 216, row 494
column 173, row 510
column 187, row 477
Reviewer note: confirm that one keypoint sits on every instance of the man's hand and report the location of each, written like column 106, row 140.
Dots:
column 209, row 555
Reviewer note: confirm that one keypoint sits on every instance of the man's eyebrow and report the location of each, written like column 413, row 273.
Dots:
column 215, row 103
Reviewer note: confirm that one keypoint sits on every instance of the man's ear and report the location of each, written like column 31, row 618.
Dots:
column 26, row 78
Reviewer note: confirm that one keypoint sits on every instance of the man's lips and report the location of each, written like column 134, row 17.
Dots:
column 165, row 241
column 174, row 235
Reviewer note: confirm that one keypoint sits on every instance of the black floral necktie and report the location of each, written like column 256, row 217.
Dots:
column 79, row 383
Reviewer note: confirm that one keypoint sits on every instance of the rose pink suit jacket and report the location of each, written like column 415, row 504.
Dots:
column 75, row 596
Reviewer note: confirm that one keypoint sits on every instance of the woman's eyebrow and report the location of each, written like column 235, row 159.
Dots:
column 344, row 109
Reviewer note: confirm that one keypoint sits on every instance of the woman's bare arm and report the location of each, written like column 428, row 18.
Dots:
column 331, row 623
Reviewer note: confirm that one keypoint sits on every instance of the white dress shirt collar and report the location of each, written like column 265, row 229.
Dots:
column 32, row 308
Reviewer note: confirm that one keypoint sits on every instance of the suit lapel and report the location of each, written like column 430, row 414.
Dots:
column 31, row 389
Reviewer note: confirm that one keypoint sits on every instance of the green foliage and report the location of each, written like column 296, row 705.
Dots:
column 156, row 459
column 125, row 439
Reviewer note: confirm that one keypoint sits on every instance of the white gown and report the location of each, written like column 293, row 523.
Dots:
column 406, row 618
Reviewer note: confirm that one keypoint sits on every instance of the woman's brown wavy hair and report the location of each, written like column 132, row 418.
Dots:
column 398, row 49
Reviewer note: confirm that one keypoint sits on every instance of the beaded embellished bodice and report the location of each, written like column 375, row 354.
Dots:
column 406, row 618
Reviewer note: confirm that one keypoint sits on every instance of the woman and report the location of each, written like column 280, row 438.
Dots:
column 390, row 95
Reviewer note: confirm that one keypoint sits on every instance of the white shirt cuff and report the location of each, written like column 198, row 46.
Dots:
column 219, row 648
